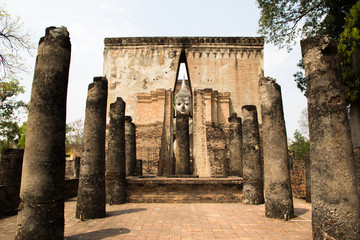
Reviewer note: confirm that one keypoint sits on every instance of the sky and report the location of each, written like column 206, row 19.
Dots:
column 90, row 21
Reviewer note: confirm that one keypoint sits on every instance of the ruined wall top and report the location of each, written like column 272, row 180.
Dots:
column 185, row 41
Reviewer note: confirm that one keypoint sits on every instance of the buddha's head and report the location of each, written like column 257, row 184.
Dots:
column 183, row 100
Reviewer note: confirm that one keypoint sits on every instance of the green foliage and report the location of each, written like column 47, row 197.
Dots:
column 349, row 44
column 300, row 145
column 74, row 135
column 11, row 111
column 15, row 136
column 13, row 42
column 22, row 135
column 283, row 22
column 300, row 77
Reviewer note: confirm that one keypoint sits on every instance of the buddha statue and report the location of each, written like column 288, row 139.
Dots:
column 182, row 100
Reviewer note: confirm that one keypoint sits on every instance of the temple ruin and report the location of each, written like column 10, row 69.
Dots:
column 214, row 136
column 223, row 75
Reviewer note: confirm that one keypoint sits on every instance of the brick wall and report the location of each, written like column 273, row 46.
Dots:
column 217, row 139
column 184, row 190
column 148, row 144
column 69, row 169
column 10, row 179
column 298, row 179
column 227, row 64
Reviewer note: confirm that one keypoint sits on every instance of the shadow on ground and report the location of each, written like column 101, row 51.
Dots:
column 127, row 211
column 300, row 211
column 99, row 234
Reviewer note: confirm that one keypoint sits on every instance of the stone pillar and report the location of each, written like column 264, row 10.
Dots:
column 166, row 156
column 307, row 179
column 355, row 106
column 76, row 167
column 235, row 146
column 214, row 107
column 223, row 107
column 201, row 162
column 253, row 190
column 208, row 102
column 182, row 145
column 334, row 196
column 130, row 147
column 10, row 177
column 41, row 215
column 357, row 167
column 278, row 194
column 355, row 123
column 139, row 167
column 115, row 162
column 91, row 194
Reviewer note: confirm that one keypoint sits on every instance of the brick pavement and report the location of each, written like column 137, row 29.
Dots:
column 180, row 221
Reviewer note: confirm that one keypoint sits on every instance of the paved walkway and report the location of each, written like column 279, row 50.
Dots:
column 180, row 221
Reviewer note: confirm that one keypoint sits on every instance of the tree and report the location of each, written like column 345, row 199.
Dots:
column 22, row 136
column 282, row 22
column 10, row 111
column 13, row 41
column 74, row 136
column 300, row 145
column 348, row 47
column 304, row 123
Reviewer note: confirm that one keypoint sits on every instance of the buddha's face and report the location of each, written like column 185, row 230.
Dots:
column 183, row 104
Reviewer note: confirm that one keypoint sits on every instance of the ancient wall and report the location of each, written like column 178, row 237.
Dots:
column 211, row 132
column 217, row 138
column 144, row 64
column 134, row 65
column 228, row 66
column 226, row 70
column 184, row 190
column 150, row 112
column 69, row 168
column 150, row 107
column 10, row 178
column 298, row 179
column 148, row 144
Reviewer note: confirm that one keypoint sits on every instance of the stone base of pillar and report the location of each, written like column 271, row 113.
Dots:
column 253, row 193
column 278, row 206
column 44, row 216
column 115, row 188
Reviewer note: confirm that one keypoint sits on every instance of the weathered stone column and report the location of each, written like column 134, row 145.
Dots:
column 235, row 145
column 307, row 178
column 10, row 178
column 139, row 167
column 357, row 167
column 115, row 161
column 76, row 167
column 334, row 196
column 253, row 190
column 41, row 215
column 166, row 155
column 130, row 146
column 355, row 106
column 201, row 161
column 91, row 194
column 355, row 123
column 182, row 145
column 278, row 195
